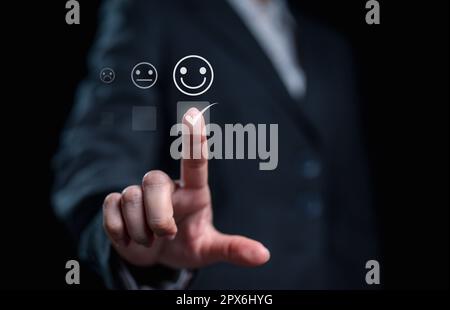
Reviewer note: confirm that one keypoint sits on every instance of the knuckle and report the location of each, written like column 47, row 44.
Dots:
column 155, row 178
column 195, row 163
column 111, row 198
column 141, row 240
column 132, row 195
column 161, row 224
column 114, row 229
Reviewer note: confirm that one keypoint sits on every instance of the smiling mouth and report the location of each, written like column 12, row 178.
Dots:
column 193, row 87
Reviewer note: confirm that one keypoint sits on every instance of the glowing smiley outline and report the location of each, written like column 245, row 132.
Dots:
column 197, row 86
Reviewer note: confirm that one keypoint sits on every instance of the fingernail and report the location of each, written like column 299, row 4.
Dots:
column 266, row 252
column 259, row 255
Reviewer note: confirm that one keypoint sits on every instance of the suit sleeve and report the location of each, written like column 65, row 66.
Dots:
column 103, row 147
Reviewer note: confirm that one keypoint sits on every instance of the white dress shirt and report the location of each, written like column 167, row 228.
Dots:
column 272, row 25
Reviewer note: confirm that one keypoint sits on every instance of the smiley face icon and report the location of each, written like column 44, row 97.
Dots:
column 193, row 75
column 144, row 75
column 107, row 75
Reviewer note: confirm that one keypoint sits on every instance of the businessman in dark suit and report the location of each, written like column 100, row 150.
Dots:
column 308, row 224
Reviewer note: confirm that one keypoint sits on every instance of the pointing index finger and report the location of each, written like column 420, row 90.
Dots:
column 194, row 162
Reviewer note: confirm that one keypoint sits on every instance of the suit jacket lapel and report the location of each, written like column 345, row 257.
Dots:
column 219, row 18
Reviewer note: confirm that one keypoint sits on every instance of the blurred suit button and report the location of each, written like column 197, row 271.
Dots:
column 314, row 208
column 311, row 204
column 311, row 169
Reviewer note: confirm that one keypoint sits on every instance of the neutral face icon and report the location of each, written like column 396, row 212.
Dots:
column 193, row 75
column 144, row 75
column 107, row 75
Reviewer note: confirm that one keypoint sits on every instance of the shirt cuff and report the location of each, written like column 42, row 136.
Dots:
column 126, row 275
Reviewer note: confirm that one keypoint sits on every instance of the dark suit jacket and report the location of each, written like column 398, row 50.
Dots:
column 312, row 212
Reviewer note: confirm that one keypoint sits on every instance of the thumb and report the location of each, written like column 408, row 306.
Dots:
column 237, row 250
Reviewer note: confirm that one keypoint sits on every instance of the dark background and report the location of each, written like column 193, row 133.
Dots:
column 403, row 66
